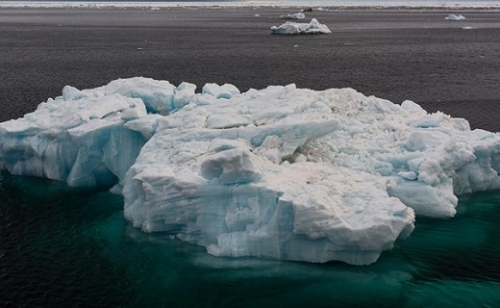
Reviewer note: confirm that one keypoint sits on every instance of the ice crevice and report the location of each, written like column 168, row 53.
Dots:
column 283, row 173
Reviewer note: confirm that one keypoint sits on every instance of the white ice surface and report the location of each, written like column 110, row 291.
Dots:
column 454, row 17
column 293, row 16
column 313, row 27
column 282, row 173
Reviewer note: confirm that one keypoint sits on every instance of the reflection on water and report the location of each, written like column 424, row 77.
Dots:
column 62, row 247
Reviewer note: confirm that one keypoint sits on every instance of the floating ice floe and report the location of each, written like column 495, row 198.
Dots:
column 454, row 17
column 283, row 173
column 293, row 16
column 314, row 27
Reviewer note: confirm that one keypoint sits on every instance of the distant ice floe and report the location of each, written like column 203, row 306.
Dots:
column 293, row 16
column 282, row 173
column 250, row 3
column 313, row 27
column 454, row 17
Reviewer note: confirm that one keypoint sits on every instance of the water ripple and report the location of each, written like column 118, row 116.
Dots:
column 62, row 247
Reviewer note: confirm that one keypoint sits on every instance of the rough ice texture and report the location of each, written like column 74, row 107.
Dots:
column 283, row 173
column 314, row 27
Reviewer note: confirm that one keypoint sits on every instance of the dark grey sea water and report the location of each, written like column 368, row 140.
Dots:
column 62, row 247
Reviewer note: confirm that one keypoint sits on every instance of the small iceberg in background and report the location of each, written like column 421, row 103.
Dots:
column 293, row 16
column 314, row 27
column 280, row 173
column 454, row 17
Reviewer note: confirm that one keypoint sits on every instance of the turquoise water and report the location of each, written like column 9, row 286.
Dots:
column 62, row 247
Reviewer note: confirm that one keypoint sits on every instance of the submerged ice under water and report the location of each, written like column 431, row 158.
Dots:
column 63, row 247
column 281, row 173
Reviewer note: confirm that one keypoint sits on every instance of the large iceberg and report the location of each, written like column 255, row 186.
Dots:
column 282, row 173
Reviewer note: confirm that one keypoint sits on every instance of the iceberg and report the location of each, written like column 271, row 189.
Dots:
column 313, row 27
column 454, row 17
column 280, row 173
column 299, row 15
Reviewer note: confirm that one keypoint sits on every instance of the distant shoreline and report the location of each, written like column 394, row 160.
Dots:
column 369, row 5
